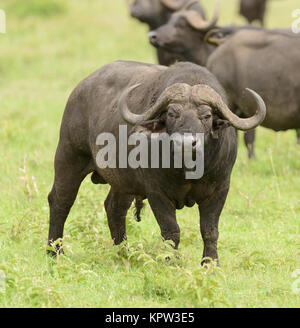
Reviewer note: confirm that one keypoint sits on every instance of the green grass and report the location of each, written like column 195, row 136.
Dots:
column 49, row 47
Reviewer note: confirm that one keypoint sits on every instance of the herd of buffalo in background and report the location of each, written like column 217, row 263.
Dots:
column 267, row 61
column 212, row 80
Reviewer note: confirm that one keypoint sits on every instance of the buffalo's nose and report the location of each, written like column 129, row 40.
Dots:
column 193, row 142
column 152, row 37
column 187, row 143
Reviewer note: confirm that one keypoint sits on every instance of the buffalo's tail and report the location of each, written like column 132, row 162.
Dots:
column 139, row 205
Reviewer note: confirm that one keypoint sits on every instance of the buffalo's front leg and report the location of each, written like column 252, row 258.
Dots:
column 249, row 138
column 298, row 136
column 210, row 210
column 116, row 206
column 165, row 214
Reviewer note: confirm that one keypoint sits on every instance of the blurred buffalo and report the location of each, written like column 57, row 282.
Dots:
column 253, row 10
column 156, row 13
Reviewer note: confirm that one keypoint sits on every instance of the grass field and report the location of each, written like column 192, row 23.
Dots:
column 48, row 48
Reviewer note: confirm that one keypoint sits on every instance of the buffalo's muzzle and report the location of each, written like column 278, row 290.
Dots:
column 152, row 35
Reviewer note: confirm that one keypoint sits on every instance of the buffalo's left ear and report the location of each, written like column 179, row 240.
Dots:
column 218, row 126
column 215, row 37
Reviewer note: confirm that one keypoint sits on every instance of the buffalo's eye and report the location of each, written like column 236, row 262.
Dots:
column 207, row 117
column 204, row 117
column 180, row 23
column 173, row 113
column 204, row 112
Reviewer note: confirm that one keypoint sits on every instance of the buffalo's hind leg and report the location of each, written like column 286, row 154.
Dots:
column 249, row 138
column 298, row 136
column 116, row 206
column 70, row 170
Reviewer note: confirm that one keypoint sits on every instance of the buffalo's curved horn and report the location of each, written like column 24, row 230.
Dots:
column 198, row 23
column 251, row 122
column 206, row 94
column 173, row 4
column 126, row 114
column 178, row 91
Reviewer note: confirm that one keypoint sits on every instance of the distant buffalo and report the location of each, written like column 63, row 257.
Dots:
column 253, row 10
column 155, row 13
column 153, row 100
column 268, row 61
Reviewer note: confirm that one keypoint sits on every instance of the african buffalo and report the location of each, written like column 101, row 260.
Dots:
column 184, row 98
column 189, row 35
column 253, row 10
column 155, row 13
column 242, row 63
column 268, row 61
column 184, row 35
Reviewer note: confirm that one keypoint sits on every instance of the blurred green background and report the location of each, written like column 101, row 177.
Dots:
column 49, row 47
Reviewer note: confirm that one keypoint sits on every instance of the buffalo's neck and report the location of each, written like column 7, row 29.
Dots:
column 220, row 156
column 159, row 21
column 200, row 54
column 216, row 153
